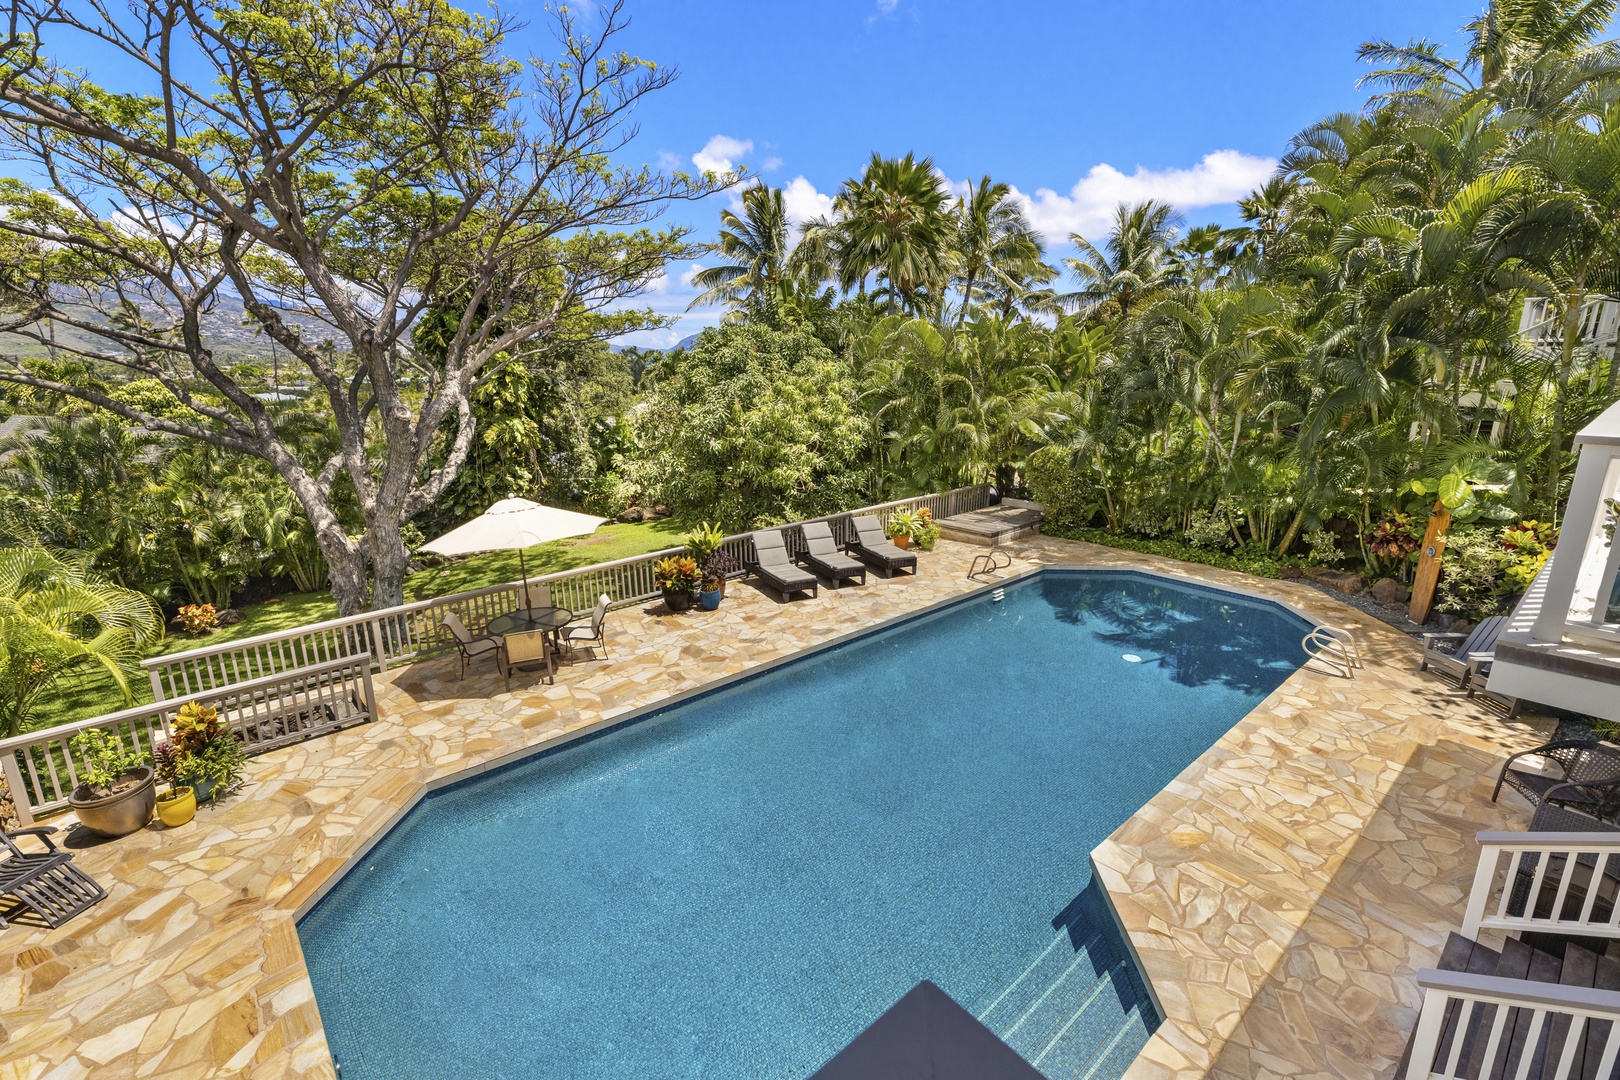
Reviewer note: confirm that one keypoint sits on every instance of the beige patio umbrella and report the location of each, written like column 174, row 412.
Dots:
column 513, row 523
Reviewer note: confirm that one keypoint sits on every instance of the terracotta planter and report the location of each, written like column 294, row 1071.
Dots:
column 122, row 812
column 178, row 808
column 902, row 541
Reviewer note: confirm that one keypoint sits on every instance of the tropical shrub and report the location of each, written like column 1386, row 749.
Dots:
column 201, row 749
column 1322, row 547
column 59, row 618
column 198, row 618
column 1526, row 549
column 1471, row 572
column 907, row 523
column 104, row 759
column 750, row 426
column 1062, row 490
column 677, row 574
column 1390, row 542
column 1210, row 531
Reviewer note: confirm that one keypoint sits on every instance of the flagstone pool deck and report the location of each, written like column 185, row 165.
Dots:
column 1280, row 893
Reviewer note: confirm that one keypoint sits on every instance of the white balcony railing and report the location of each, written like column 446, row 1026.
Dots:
column 1485, row 1027
column 41, row 771
column 412, row 631
column 1564, row 883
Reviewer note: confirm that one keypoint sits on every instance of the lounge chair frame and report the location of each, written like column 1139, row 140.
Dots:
column 469, row 647
column 823, row 557
column 874, row 548
column 44, row 883
column 773, row 566
column 593, row 635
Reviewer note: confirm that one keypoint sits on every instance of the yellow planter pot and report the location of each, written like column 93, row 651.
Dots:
column 177, row 809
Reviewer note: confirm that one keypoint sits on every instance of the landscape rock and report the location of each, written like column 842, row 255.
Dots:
column 631, row 514
column 1391, row 592
column 228, row 617
column 1340, row 581
column 1290, row 573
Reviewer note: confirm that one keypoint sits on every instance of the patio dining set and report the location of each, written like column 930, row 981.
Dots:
column 535, row 635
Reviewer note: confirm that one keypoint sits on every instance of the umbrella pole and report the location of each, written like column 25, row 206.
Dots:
column 524, row 598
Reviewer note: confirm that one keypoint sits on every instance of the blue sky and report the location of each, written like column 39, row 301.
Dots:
column 1077, row 104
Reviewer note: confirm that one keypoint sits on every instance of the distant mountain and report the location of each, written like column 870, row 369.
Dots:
column 226, row 329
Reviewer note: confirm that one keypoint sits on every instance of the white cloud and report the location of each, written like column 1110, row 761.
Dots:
column 801, row 201
column 720, row 153
column 659, row 285
column 689, row 275
column 1223, row 176
column 772, row 164
column 886, row 7
column 668, row 161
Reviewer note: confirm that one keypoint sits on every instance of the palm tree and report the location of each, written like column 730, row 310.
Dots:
column 995, row 251
column 1134, row 264
column 57, row 617
column 757, row 243
column 1569, row 240
column 894, row 225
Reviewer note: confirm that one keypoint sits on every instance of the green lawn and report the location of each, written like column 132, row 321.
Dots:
column 92, row 695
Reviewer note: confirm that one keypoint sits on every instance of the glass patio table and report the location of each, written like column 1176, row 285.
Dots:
column 549, row 619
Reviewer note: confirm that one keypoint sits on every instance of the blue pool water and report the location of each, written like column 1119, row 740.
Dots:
column 736, row 887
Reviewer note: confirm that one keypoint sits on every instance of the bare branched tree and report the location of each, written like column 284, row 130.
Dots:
column 337, row 166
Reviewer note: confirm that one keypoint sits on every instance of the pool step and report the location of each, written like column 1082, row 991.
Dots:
column 1073, row 1012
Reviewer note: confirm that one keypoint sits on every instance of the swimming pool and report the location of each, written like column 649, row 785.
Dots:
column 738, row 885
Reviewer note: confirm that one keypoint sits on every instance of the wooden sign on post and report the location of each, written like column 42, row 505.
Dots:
column 1428, row 570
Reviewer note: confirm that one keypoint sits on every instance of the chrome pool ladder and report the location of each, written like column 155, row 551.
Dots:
column 1334, row 646
column 993, row 561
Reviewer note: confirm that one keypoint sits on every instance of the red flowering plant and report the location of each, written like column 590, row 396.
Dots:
column 1392, row 541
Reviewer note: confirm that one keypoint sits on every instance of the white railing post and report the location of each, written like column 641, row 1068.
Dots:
column 1426, row 1039
column 14, row 784
column 1484, row 877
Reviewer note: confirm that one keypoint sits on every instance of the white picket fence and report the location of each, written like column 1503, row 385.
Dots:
column 412, row 631
column 41, row 771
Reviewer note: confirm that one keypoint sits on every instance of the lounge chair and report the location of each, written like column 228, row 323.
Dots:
column 1585, row 777
column 467, row 646
column 521, row 649
column 824, row 557
column 876, row 550
column 773, row 566
column 43, row 882
column 1449, row 653
column 593, row 634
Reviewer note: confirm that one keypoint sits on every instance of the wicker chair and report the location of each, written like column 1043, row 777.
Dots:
column 823, row 557
column 1588, row 780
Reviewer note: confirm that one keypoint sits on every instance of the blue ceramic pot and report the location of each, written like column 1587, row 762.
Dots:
column 709, row 600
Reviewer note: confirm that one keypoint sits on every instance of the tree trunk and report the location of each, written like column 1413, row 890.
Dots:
column 1292, row 532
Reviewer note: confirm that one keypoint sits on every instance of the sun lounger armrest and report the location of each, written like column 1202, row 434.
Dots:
column 41, row 831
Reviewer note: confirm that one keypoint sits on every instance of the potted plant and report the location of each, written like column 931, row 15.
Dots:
column 710, row 592
column 903, row 527
column 117, row 795
column 927, row 533
column 180, row 804
column 704, row 545
column 203, row 754
column 677, row 577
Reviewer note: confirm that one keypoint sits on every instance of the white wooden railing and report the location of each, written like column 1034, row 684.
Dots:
column 1563, row 883
column 41, row 771
column 1486, row 1027
column 412, row 631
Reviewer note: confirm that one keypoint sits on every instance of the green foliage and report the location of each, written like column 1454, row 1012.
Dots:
column 704, row 541
column 677, row 574
column 1247, row 560
column 750, row 427
column 907, row 523
column 201, row 750
column 103, row 759
column 1323, row 548
column 1484, row 564
column 58, row 617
